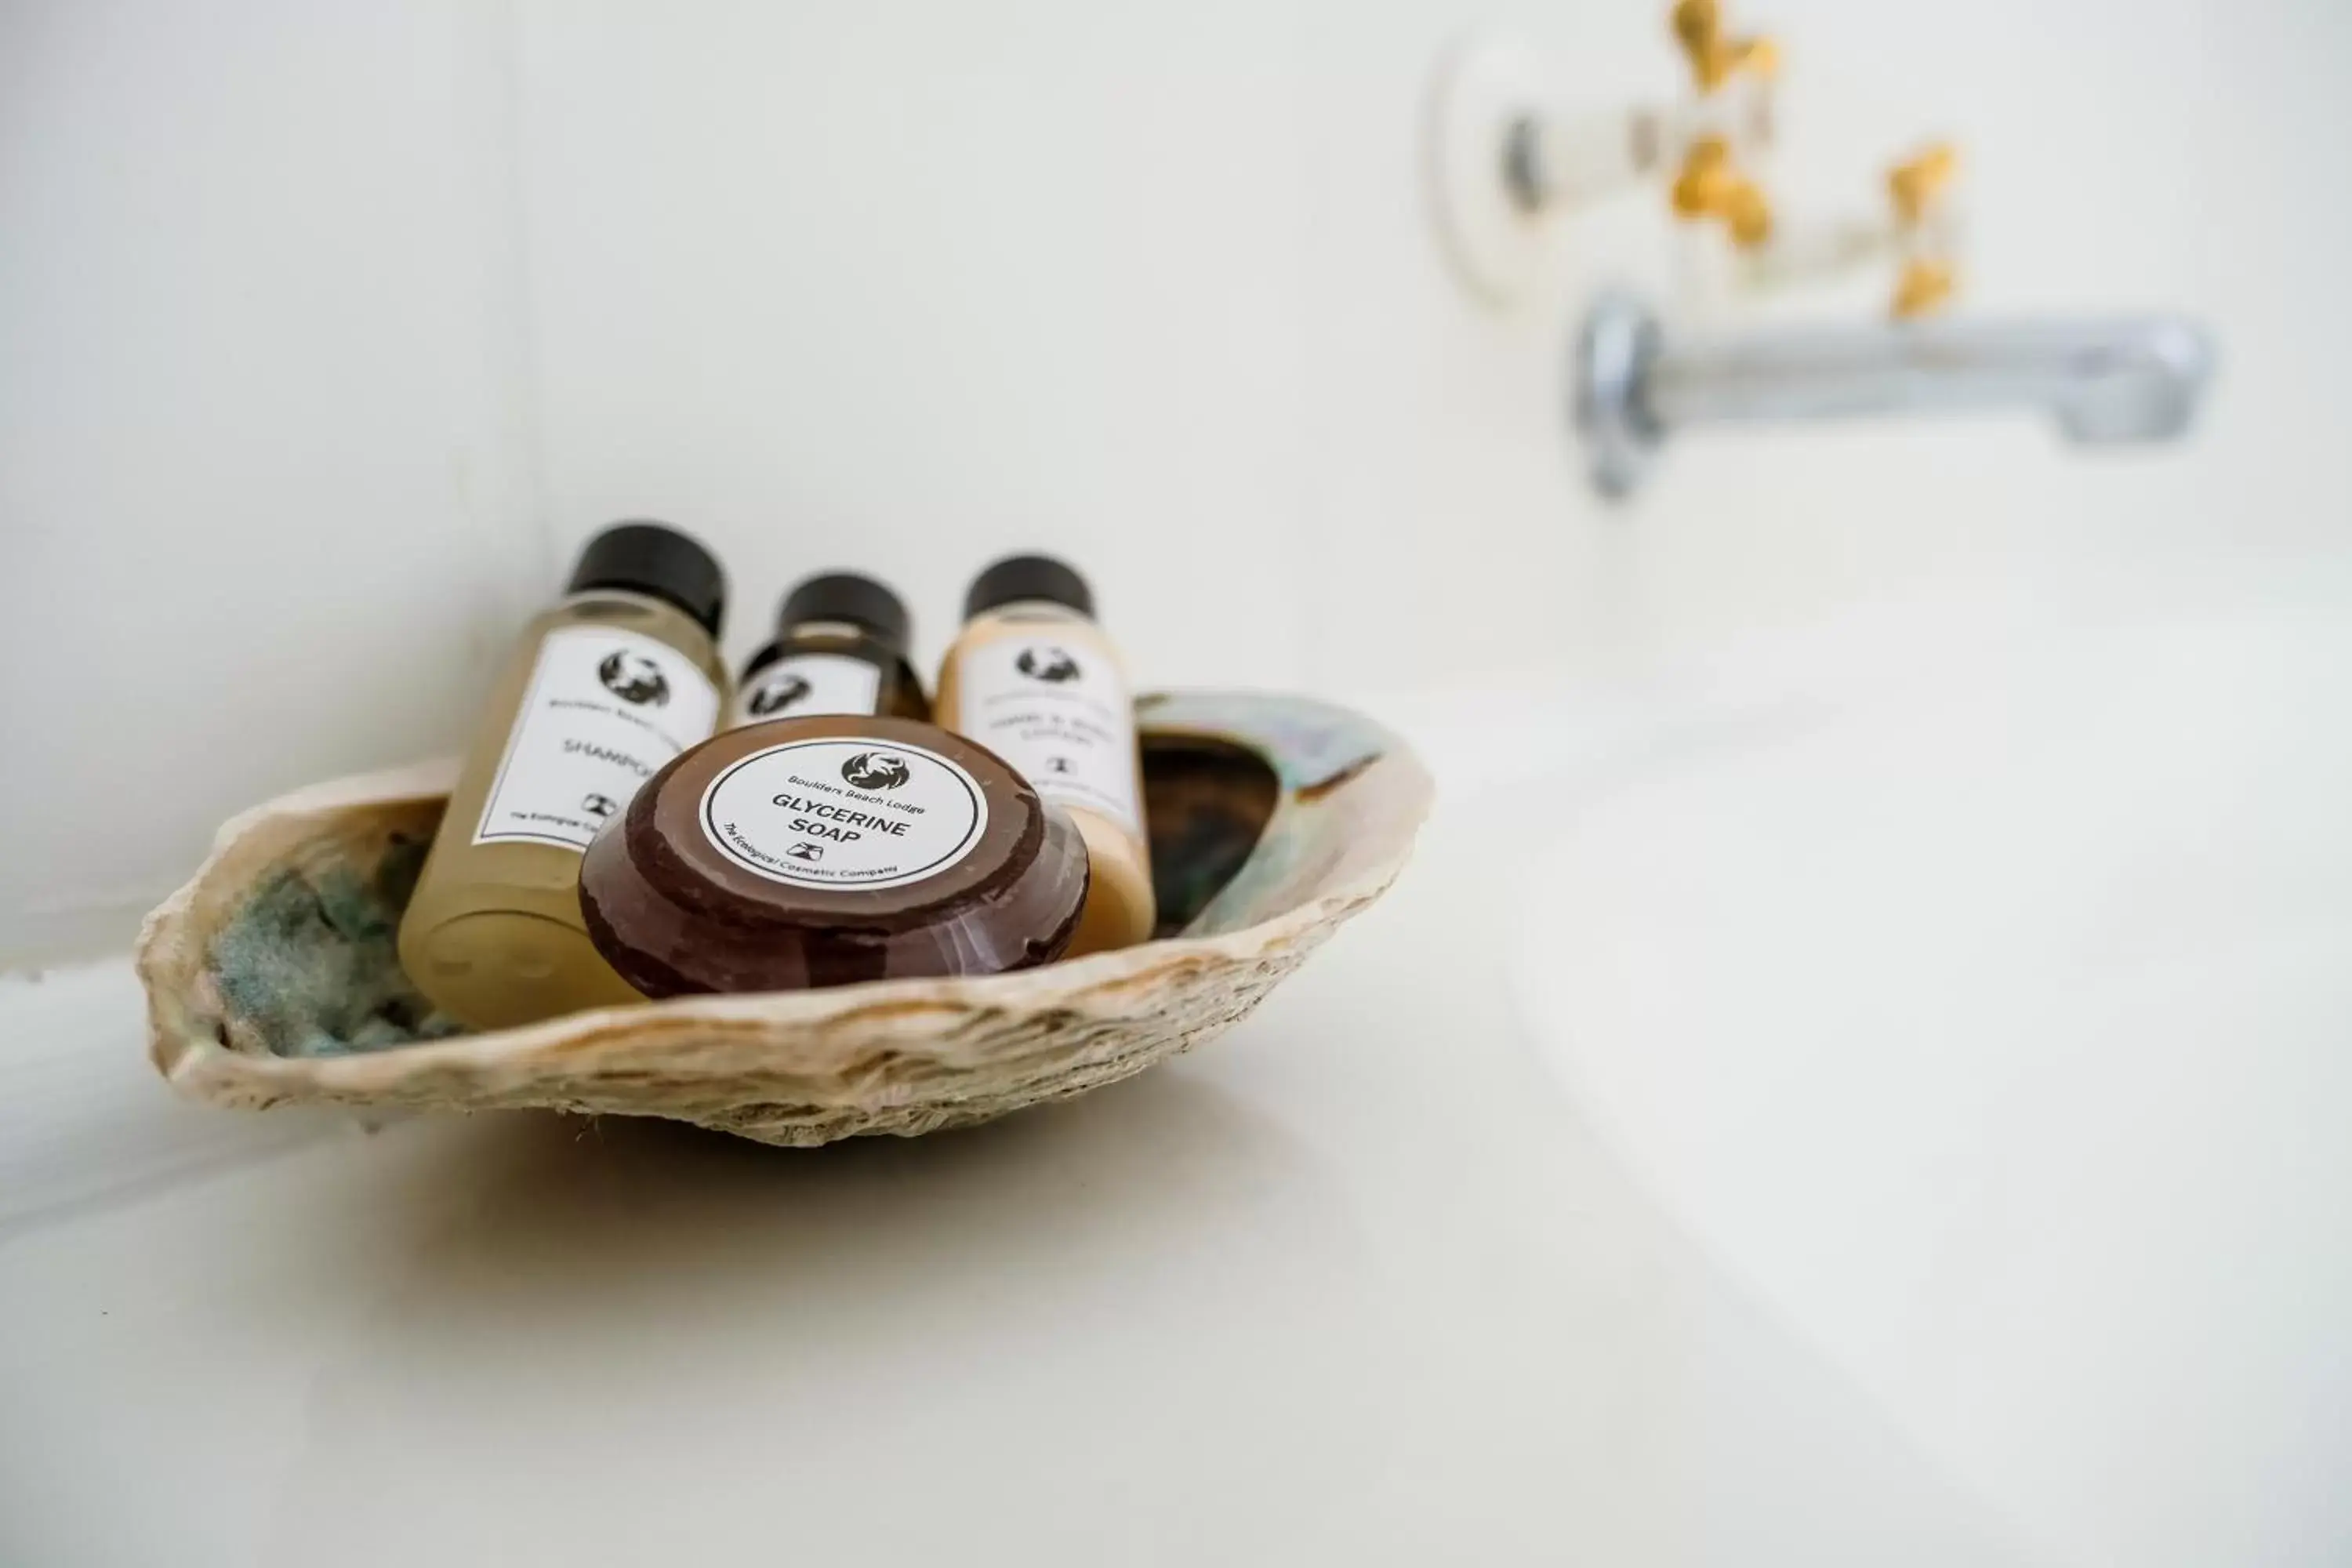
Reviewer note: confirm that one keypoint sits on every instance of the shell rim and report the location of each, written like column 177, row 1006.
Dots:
column 186, row 1053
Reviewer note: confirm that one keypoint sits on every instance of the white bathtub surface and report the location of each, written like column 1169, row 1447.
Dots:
column 1995, row 1028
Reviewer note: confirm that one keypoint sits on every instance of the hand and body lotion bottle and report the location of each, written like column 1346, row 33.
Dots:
column 1033, row 678
column 603, row 690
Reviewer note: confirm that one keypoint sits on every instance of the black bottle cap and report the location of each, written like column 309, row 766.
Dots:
column 847, row 597
column 1019, row 577
column 656, row 559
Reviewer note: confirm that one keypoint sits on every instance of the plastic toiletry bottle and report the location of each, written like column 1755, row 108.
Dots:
column 1033, row 677
column 623, row 674
column 840, row 647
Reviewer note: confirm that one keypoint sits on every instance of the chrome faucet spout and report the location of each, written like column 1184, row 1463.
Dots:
column 2127, row 379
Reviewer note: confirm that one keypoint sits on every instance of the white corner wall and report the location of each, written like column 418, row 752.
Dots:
column 330, row 328
column 905, row 286
column 265, row 486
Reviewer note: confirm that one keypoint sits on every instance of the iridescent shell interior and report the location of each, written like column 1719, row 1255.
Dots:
column 272, row 976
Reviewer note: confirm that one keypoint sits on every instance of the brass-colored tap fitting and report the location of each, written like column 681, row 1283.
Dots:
column 1918, row 184
column 1713, row 58
column 1917, row 188
column 1924, row 287
column 1709, row 186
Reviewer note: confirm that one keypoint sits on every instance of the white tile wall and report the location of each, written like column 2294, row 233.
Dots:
column 903, row 286
column 329, row 329
column 264, row 485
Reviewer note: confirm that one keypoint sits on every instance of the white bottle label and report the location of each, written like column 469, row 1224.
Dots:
column 803, row 683
column 606, row 707
column 1059, row 713
column 845, row 813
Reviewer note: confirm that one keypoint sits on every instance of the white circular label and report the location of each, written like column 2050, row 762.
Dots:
column 843, row 813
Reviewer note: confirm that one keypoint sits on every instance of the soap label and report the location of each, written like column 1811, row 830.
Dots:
column 803, row 683
column 1058, row 711
column 845, row 813
column 604, row 709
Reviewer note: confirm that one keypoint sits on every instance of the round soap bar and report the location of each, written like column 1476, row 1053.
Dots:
column 824, row 850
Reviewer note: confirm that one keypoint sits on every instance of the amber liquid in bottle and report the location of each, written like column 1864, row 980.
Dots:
column 601, row 691
column 840, row 648
column 1035, row 680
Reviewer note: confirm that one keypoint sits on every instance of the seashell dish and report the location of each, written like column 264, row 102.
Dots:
column 272, row 978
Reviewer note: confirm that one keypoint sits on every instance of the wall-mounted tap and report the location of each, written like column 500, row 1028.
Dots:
column 1514, row 153
column 2132, row 379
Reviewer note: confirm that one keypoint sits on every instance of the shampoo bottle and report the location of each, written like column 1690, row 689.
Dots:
column 622, row 675
column 1033, row 678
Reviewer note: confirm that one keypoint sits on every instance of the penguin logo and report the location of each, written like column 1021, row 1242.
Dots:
column 634, row 677
column 1047, row 663
column 779, row 695
column 874, row 770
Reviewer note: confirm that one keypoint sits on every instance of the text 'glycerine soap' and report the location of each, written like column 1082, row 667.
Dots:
column 828, row 850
